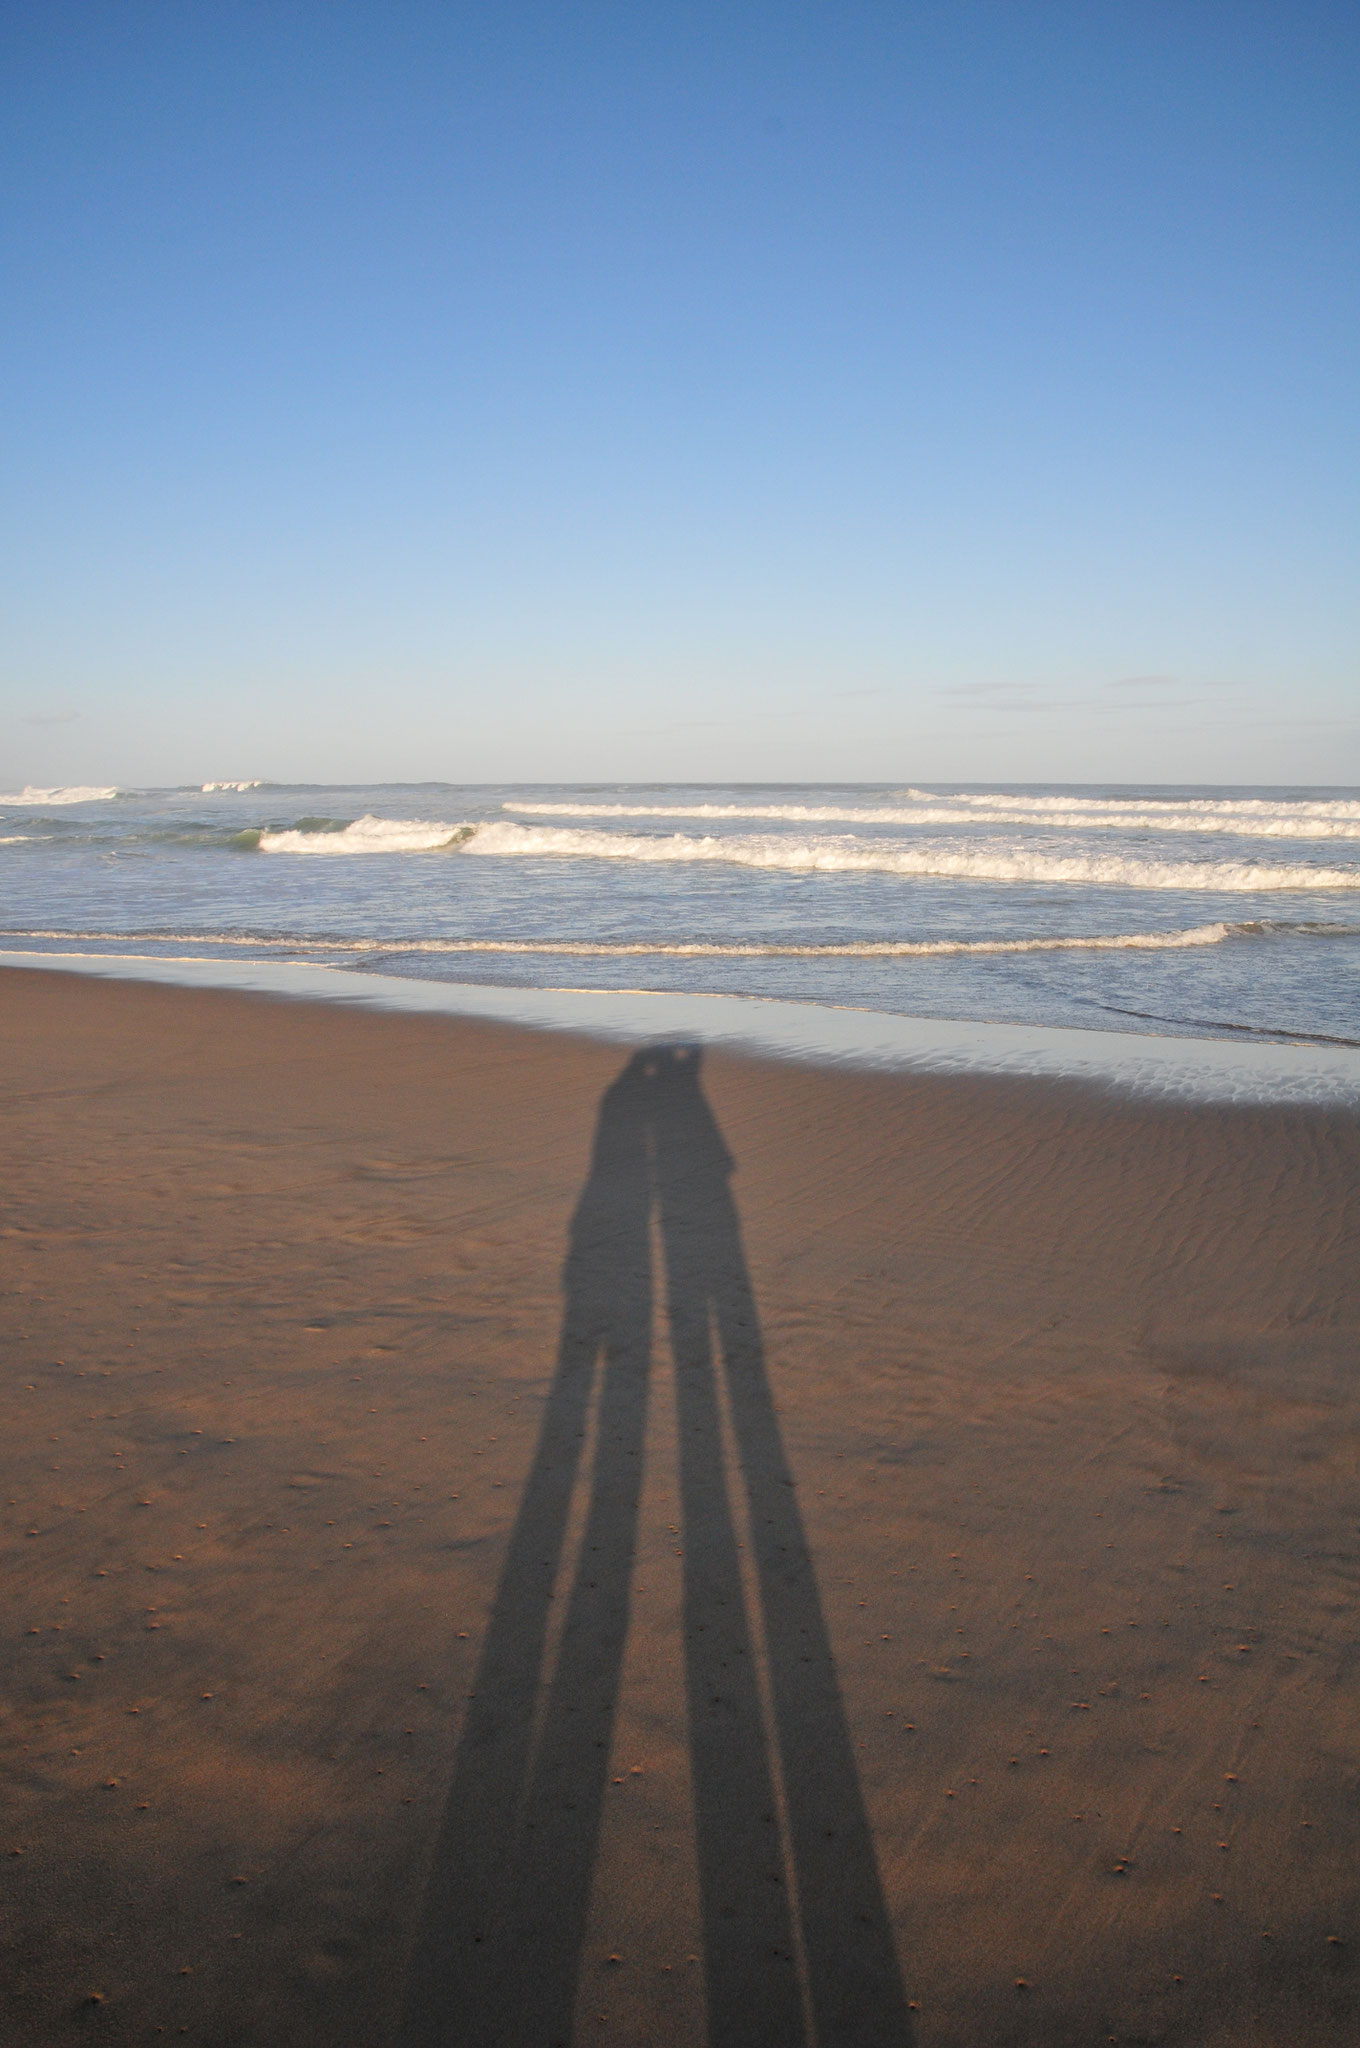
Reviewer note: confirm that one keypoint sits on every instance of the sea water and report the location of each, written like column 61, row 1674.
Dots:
column 1205, row 912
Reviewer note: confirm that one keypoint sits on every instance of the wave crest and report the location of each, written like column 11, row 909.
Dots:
column 716, row 949
column 1278, row 821
column 847, row 855
column 364, row 835
column 1295, row 806
column 70, row 793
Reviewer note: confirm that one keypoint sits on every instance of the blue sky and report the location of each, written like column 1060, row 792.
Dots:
column 648, row 391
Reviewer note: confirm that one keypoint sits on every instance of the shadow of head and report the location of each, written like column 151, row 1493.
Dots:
column 668, row 1065
column 689, row 1161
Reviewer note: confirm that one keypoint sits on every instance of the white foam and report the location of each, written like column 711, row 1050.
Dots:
column 73, row 793
column 210, row 788
column 1258, row 806
column 1279, row 822
column 992, row 861
column 368, row 835
column 695, row 949
column 1166, row 1069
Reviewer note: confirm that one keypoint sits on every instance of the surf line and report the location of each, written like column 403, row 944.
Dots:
column 609, row 949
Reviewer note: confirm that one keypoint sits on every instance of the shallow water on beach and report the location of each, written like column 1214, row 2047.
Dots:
column 1196, row 912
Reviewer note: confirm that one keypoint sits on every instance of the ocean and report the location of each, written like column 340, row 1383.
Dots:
column 1195, row 912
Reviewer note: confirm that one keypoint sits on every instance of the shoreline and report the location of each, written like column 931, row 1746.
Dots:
column 749, row 1535
column 1183, row 1068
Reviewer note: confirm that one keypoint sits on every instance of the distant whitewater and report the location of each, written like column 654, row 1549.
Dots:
column 1228, row 911
column 73, row 793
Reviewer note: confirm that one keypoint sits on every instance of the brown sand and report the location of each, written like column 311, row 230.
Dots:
column 400, row 1649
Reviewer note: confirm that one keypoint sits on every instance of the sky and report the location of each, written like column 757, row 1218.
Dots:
column 679, row 391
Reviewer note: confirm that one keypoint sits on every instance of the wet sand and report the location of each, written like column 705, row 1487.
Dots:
column 508, row 1543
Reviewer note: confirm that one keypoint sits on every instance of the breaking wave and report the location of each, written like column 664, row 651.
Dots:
column 1315, row 807
column 1014, row 855
column 361, row 835
column 213, row 788
column 1248, row 821
column 73, row 793
column 754, row 949
column 847, row 855
column 842, row 853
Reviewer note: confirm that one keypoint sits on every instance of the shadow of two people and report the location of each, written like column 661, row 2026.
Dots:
column 797, row 1947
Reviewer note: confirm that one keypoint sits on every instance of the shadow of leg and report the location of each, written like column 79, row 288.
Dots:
column 854, row 1983
column 498, row 1955
column 853, row 1976
column 560, row 1831
column 753, row 1994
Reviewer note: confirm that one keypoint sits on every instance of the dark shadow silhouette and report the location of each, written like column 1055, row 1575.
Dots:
column 798, row 1952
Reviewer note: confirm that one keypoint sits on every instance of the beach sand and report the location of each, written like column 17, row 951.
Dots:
column 478, row 1570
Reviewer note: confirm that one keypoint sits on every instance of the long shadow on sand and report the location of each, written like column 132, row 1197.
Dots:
column 499, row 1957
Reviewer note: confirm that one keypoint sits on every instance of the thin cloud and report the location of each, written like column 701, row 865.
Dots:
column 1154, row 705
column 51, row 718
column 1002, row 692
column 1014, row 697
column 635, row 732
column 1140, row 695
